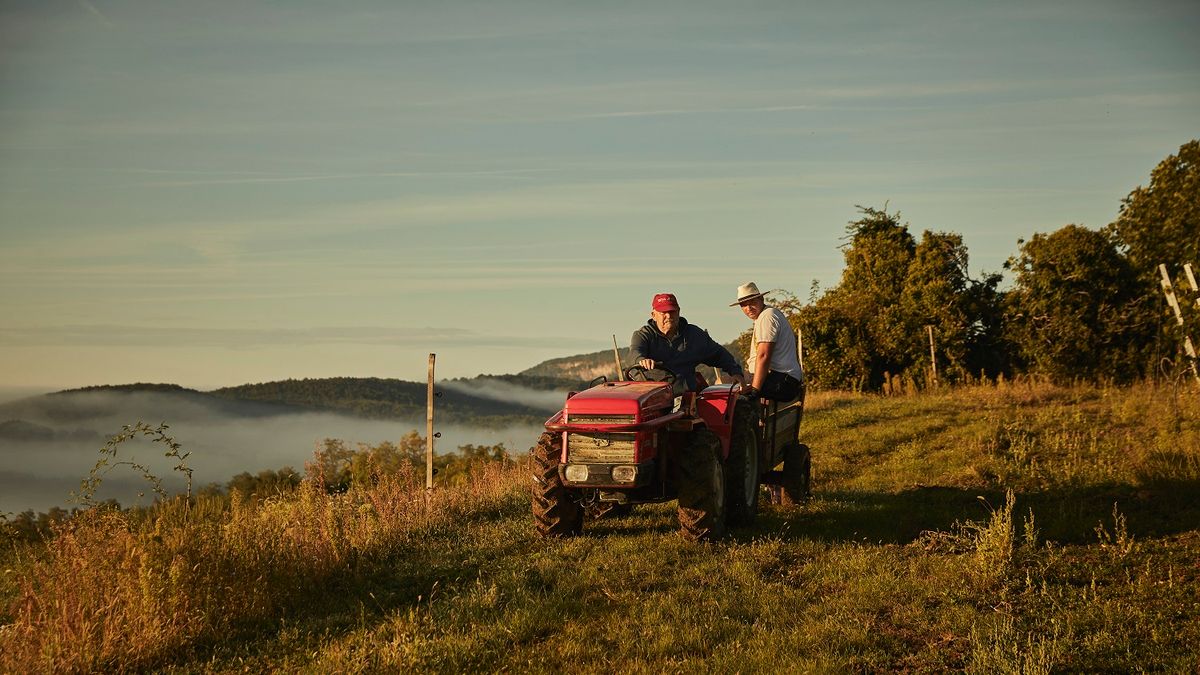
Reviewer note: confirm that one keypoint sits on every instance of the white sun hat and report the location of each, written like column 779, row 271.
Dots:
column 745, row 292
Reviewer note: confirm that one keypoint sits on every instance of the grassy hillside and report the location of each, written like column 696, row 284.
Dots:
column 1011, row 528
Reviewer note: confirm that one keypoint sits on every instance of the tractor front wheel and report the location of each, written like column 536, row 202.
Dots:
column 556, row 513
column 797, row 475
column 741, row 469
column 702, row 488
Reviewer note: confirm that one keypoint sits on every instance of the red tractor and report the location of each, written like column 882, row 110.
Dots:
column 640, row 440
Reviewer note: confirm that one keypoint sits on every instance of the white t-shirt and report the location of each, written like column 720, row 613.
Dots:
column 772, row 326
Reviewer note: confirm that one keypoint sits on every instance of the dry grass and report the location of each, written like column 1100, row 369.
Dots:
column 1012, row 527
column 108, row 592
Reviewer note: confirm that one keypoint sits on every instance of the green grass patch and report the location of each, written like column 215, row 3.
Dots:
column 1020, row 528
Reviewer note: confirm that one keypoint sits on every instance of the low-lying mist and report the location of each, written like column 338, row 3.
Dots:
column 499, row 390
column 39, row 470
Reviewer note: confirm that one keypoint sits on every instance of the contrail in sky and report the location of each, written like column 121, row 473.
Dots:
column 95, row 12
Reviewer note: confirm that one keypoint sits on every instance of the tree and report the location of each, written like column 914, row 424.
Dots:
column 858, row 326
column 934, row 294
column 872, row 324
column 1076, row 309
column 1160, row 223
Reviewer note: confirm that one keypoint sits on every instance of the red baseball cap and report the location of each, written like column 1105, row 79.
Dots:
column 665, row 302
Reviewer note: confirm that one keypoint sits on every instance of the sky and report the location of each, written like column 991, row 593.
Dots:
column 220, row 192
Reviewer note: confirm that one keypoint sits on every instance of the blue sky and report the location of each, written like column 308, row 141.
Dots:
column 213, row 193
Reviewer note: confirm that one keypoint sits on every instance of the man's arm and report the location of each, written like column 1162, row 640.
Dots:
column 762, row 359
column 639, row 350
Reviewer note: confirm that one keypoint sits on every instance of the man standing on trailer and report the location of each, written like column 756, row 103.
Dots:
column 669, row 342
column 774, row 362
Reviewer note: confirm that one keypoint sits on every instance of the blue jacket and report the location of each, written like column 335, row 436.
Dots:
column 690, row 347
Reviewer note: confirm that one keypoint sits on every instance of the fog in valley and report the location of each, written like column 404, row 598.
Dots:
column 57, row 441
column 499, row 390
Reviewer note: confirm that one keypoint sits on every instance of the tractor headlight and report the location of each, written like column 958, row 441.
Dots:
column 624, row 474
column 577, row 473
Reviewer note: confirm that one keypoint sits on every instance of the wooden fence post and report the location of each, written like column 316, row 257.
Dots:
column 1169, row 291
column 429, row 426
column 932, row 355
column 617, row 357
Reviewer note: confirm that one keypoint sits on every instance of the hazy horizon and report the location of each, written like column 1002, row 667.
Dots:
column 39, row 474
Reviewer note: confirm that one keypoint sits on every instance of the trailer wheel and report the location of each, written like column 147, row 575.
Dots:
column 741, row 469
column 555, row 512
column 702, row 488
column 797, row 475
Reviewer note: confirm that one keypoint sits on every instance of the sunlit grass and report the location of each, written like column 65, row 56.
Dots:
column 1012, row 528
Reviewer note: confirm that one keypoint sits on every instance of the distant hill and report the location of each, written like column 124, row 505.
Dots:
column 485, row 400
column 159, row 387
column 379, row 398
column 579, row 368
column 105, row 401
column 586, row 367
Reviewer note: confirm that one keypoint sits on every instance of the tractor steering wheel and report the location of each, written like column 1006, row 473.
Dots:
column 636, row 373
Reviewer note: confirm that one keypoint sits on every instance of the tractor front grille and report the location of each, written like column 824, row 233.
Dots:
column 601, row 448
column 601, row 419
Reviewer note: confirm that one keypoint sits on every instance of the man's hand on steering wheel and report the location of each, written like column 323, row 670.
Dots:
column 638, row 371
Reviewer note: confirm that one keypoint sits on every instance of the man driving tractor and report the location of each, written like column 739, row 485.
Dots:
column 670, row 343
column 649, row 438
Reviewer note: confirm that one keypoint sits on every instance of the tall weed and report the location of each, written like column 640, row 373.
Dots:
column 1002, row 649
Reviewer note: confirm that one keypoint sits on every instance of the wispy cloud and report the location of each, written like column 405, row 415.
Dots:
column 234, row 179
column 696, row 111
column 112, row 335
column 625, row 203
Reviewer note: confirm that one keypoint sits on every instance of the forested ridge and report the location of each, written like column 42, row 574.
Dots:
column 387, row 398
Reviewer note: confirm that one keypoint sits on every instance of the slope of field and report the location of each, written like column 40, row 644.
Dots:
column 1011, row 528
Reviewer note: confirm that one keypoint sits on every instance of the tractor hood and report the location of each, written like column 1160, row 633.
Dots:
column 635, row 399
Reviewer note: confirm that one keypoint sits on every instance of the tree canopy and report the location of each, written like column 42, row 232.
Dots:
column 1076, row 309
column 873, row 325
column 1160, row 223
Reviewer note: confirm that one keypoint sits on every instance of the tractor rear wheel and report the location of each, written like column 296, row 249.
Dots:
column 702, row 488
column 741, row 469
column 556, row 513
column 797, row 475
